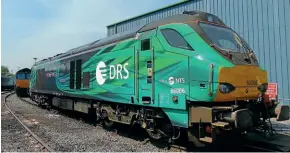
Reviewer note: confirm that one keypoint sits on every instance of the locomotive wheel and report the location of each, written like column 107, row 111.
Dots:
column 163, row 129
column 106, row 122
column 48, row 107
column 155, row 135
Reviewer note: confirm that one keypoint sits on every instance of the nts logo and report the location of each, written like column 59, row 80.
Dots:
column 172, row 80
column 115, row 71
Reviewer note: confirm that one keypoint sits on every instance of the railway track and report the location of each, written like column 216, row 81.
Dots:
column 245, row 146
column 258, row 149
column 45, row 147
column 27, row 101
column 4, row 92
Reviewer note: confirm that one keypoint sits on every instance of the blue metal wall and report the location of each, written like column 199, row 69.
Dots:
column 264, row 24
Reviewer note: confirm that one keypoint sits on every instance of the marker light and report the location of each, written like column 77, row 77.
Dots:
column 226, row 88
column 208, row 129
column 175, row 99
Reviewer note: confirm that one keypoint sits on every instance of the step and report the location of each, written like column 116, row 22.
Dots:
column 220, row 124
column 206, row 139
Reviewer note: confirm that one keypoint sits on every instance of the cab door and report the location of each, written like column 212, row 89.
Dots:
column 176, row 66
column 145, row 55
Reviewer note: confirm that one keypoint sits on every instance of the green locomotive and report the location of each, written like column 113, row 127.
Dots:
column 189, row 71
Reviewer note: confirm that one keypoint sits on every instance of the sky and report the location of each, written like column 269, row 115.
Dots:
column 44, row 28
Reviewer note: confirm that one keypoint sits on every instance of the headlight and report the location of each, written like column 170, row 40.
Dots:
column 263, row 87
column 226, row 88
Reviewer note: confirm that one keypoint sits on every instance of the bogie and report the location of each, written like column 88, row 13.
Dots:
column 153, row 121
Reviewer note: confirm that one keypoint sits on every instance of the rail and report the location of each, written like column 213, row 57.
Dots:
column 4, row 92
column 260, row 149
column 45, row 146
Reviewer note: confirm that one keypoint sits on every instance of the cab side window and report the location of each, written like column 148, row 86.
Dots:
column 27, row 76
column 175, row 39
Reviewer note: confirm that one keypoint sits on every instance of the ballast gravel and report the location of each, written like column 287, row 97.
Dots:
column 67, row 134
column 14, row 138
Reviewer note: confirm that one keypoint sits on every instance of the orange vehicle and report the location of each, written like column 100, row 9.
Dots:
column 22, row 82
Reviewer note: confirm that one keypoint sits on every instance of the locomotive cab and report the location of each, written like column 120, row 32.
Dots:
column 7, row 82
column 224, row 79
column 22, row 82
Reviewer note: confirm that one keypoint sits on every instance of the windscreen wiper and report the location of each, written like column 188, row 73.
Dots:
column 250, row 52
column 228, row 55
column 220, row 51
column 217, row 48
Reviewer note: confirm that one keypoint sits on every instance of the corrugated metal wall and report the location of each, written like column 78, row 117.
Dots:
column 264, row 24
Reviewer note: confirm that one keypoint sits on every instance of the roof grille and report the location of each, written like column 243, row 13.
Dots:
column 190, row 12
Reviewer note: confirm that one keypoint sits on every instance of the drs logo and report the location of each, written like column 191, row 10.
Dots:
column 115, row 72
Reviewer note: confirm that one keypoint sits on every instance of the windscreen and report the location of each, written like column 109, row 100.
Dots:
column 4, row 80
column 27, row 76
column 11, row 81
column 21, row 76
column 223, row 37
column 7, row 81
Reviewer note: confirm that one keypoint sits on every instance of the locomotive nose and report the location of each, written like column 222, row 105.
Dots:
column 241, row 82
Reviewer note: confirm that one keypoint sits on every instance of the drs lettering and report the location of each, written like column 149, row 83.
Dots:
column 115, row 72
